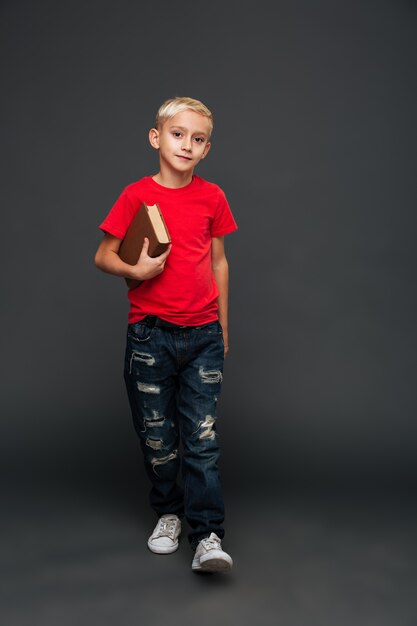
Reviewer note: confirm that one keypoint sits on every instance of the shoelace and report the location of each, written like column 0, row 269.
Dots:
column 210, row 543
column 166, row 528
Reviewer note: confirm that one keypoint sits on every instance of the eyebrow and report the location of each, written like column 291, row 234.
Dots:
column 198, row 132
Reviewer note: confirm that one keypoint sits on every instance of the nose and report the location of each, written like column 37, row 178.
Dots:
column 186, row 144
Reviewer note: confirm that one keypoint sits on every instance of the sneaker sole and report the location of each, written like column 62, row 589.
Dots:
column 163, row 549
column 212, row 564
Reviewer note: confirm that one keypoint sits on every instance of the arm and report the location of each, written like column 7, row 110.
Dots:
column 108, row 260
column 221, row 274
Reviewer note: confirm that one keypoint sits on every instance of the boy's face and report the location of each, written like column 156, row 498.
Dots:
column 183, row 140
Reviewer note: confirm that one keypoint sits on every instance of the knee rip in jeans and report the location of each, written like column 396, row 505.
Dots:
column 156, row 421
column 206, row 428
column 210, row 376
column 164, row 459
column 155, row 444
column 143, row 357
column 148, row 387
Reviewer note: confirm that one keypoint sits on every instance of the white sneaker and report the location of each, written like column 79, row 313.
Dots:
column 164, row 538
column 209, row 556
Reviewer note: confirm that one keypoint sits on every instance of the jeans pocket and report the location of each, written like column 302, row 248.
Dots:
column 213, row 328
column 139, row 332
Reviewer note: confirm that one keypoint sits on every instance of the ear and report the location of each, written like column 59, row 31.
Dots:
column 154, row 138
column 206, row 149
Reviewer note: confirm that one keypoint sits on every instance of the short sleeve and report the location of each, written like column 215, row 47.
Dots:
column 223, row 222
column 120, row 215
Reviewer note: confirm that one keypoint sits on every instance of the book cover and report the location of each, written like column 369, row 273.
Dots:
column 148, row 222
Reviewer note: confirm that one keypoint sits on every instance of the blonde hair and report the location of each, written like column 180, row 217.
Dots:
column 175, row 105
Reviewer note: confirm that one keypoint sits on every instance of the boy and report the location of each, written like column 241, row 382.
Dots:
column 177, row 332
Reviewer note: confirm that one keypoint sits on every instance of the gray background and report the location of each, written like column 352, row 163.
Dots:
column 314, row 145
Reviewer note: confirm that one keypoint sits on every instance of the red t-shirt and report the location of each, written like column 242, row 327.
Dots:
column 185, row 293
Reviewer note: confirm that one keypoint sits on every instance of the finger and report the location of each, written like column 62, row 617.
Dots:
column 145, row 247
column 164, row 255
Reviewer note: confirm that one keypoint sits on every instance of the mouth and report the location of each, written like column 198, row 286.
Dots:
column 185, row 158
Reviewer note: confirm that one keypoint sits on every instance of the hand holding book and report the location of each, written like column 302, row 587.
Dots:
column 147, row 267
column 146, row 239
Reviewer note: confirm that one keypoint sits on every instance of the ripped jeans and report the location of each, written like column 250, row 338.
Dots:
column 173, row 376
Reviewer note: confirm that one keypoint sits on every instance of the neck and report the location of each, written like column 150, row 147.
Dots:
column 175, row 180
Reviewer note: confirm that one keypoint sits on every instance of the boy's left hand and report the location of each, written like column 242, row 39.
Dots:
column 226, row 342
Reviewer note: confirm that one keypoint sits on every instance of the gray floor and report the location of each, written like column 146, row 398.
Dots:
column 78, row 556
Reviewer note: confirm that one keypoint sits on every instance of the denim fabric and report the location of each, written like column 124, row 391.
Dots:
column 173, row 377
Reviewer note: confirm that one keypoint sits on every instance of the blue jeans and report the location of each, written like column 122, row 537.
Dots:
column 173, row 377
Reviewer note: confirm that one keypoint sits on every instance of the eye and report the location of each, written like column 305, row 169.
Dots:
column 199, row 139
column 176, row 133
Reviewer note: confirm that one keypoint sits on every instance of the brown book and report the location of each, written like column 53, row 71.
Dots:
column 148, row 222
